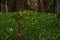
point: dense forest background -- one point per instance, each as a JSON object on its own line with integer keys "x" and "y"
{"x": 35, "y": 5}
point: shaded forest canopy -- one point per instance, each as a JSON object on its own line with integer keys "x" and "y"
{"x": 36, "y": 5}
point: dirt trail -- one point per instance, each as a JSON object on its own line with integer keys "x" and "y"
{"x": 20, "y": 35}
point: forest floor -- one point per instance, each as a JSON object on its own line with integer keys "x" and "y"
{"x": 29, "y": 26}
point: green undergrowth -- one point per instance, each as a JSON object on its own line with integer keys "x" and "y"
{"x": 36, "y": 25}
{"x": 8, "y": 27}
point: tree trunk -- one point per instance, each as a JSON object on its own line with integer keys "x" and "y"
{"x": 42, "y": 5}
{"x": 6, "y": 6}
{"x": 58, "y": 8}
{"x": 33, "y": 5}
{"x": 2, "y": 7}
{"x": 26, "y": 6}
{"x": 36, "y": 6}
{"x": 20, "y": 5}
{"x": 12, "y": 6}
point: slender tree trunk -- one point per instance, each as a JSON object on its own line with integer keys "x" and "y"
{"x": 26, "y": 6}
{"x": 36, "y": 6}
{"x": 2, "y": 7}
{"x": 33, "y": 5}
{"x": 6, "y": 6}
{"x": 29, "y": 4}
{"x": 20, "y": 5}
{"x": 42, "y": 5}
{"x": 58, "y": 8}
{"x": 12, "y": 6}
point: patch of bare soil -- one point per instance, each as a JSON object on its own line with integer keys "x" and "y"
{"x": 20, "y": 34}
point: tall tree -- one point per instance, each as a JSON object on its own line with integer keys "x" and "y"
{"x": 6, "y": 6}
{"x": 0, "y": 5}
{"x": 51, "y": 5}
{"x": 12, "y": 5}
{"x": 3, "y": 5}
{"x": 58, "y": 8}
{"x": 20, "y": 5}
{"x": 33, "y": 5}
{"x": 26, "y": 6}
{"x": 42, "y": 5}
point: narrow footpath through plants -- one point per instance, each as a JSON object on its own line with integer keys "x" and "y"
{"x": 20, "y": 35}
